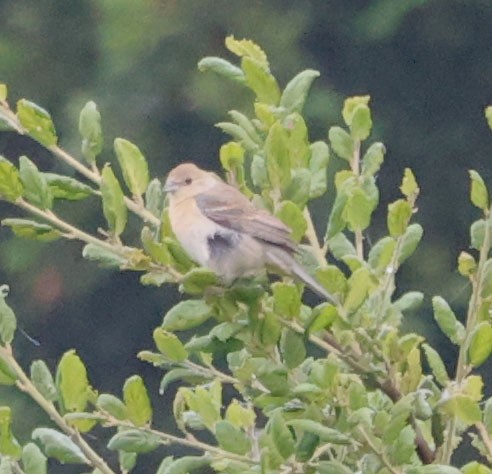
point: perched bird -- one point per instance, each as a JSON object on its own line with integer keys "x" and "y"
{"x": 222, "y": 230}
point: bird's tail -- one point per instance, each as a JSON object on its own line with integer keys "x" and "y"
{"x": 286, "y": 262}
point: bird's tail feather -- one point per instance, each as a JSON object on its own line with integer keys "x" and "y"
{"x": 286, "y": 262}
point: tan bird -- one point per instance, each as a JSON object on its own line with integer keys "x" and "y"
{"x": 222, "y": 230}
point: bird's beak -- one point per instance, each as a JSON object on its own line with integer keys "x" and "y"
{"x": 170, "y": 186}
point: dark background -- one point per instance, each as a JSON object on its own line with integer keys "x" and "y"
{"x": 426, "y": 64}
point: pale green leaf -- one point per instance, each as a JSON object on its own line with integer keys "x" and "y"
{"x": 133, "y": 165}
{"x": 169, "y": 345}
{"x": 447, "y": 321}
{"x": 479, "y": 195}
{"x": 11, "y": 187}
{"x": 32, "y": 230}
{"x": 59, "y": 446}
{"x": 36, "y": 188}
{"x": 222, "y": 68}
{"x": 8, "y": 322}
{"x": 114, "y": 207}
{"x": 72, "y": 382}
{"x": 137, "y": 401}
{"x": 186, "y": 315}
{"x": 232, "y": 438}
{"x": 90, "y": 131}
{"x": 480, "y": 346}
{"x": 37, "y": 122}
{"x": 33, "y": 460}
{"x": 341, "y": 143}
{"x": 43, "y": 380}
{"x": 134, "y": 441}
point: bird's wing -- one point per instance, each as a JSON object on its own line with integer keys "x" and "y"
{"x": 229, "y": 208}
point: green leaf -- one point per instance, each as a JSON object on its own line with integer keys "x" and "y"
{"x": 298, "y": 189}
{"x": 318, "y": 163}
{"x": 341, "y": 143}
{"x": 137, "y": 401}
{"x": 463, "y": 407}
{"x": 399, "y": 214}
{"x": 186, "y": 315}
{"x": 154, "y": 198}
{"x": 322, "y": 317}
{"x": 36, "y": 188}
{"x": 106, "y": 258}
{"x": 134, "y": 441}
{"x": 260, "y": 81}
{"x": 247, "y": 125}
{"x": 186, "y": 465}
{"x": 340, "y": 246}
{"x": 336, "y": 222}
{"x": 488, "y": 115}
{"x": 259, "y": 174}
{"x": 306, "y": 446}
{"x": 277, "y": 156}
{"x": 114, "y": 207}
{"x": 409, "y": 186}
{"x": 467, "y": 265}
{"x": 231, "y": 156}
{"x": 292, "y": 348}
{"x": 59, "y": 446}
{"x": 333, "y": 279}
{"x": 332, "y": 467}
{"x": 11, "y": 187}
{"x": 43, "y": 380}
{"x": 8, "y": 322}
{"x": 359, "y": 285}
{"x": 222, "y": 68}
{"x": 33, "y": 460}
{"x": 447, "y": 321}
{"x": 281, "y": 435}
{"x": 350, "y": 105}
{"x": 477, "y": 233}
{"x": 187, "y": 375}
{"x": 409, "y": 301}
{"x": 361, "y": 122}
{"x": 373, "y": 159}
{"x": 475, "y": 468}
{"x": 32, "y": 230}
{"x": 198, "y": 280}
{"x": 90, "y": 131}
{"x": 126, "y": 460}
{"x": 72, "y": 382}
{"x": 112, "y": 405}
{"x": 381, "y": 254}
{"x": 240, "y": 416}
{"x": 479, "y": 195}
{"x": 433, "y": 469}
{"x": 436, "y": 364}
{"x": 7, "y": 373}
{"x": 296, "y": 91}
{"x": 239, "y": 134}
{"x": 293, "y": 217}
{"x": 480, "y": 346}
{"x": 410, "y": 240}
{"x": 133, "y": 165}
{"x": 358, "y": 209}
{"x": 3, "y": 92}
{"x": 37, "y": 122}
{"x": 329, "y": 435}
{"x": 286, "y": 299}
{"x": 231, "y": 438}
{"x": 169, "y": 345}
{"x": 8, "y": 444}
{"x": 246, "y": 48}
{"x": 487, "y": 415}
{"x": 65, "y": 187}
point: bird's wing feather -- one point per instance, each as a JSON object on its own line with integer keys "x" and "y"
{"x": 229, "y": 208}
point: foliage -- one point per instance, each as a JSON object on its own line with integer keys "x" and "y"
{"x": 322, "y": 389}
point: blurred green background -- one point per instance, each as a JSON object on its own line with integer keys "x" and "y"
{"x": 426, "y": 64}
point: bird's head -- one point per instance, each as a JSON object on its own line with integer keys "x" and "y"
{"x": 187, "y": 180}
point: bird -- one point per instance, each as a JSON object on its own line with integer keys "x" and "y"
{"x": 222, "y": 230}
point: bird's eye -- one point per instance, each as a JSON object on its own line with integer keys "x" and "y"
{"x": 188, "y": 181}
